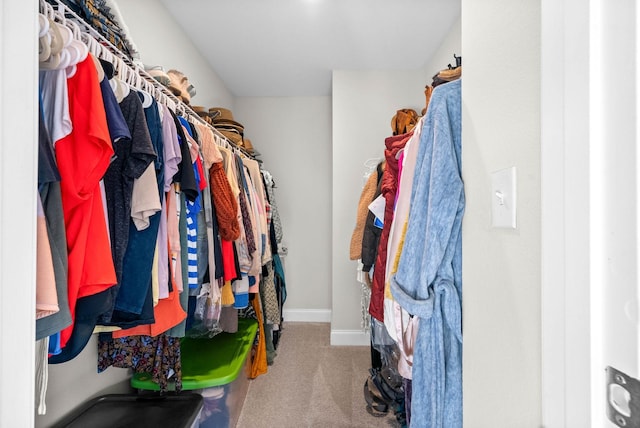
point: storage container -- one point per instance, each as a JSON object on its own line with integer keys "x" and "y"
{"x": 217, "y": 369}
{"x": 133, "y": 411}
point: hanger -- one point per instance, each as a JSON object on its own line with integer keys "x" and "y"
{"x": 448, "y": 74}
{"x": 120, "y": 88}
{"x": 84, "y": 38}
{"x": 458, "y": 60}
{"x": 127, "y": 75}
{"x": 78, "y": 49}
{"x": 47, "y": 9}
{"x": 131, "y": 77}
{"x": 54, "y": 37}
{"x": 44, "y": 38}
{"x": 170, "y": 103}
{"x": 43, "y": 25}
{"x": 138, "y": 84}
{"x": 371, "y": 162}
{"x": 147, "y": 99}
{"x": 105, "y": 53}
{"x": 61, "y": 12}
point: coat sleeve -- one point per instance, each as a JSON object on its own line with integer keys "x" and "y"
{"x": 371, "y": 235}
{"x": 370, "y": 240}
{"x": 368, "y": 193}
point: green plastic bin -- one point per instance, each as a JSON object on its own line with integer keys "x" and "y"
{"x": 212, "y": 367}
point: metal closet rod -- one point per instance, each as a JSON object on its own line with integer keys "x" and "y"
{"x": 161, "y": 93}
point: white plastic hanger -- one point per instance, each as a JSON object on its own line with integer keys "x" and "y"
{"x": 120, "y": 88}
{"x": 134, "y": 81}
{"x": 147, "y": 99}
{"x": 170, "y": 103}
{"x": 77, "y": 51}
{"x": 43, "y": 25}
{"x": 44, "y": 38}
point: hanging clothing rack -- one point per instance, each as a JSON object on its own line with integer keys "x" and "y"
{"x": 126, "y": 69}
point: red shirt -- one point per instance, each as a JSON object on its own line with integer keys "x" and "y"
{"x": 83, "y": 157}
{"x": 167, "y": 314}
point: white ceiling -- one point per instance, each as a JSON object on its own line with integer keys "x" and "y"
{"x": 290, "y": 47}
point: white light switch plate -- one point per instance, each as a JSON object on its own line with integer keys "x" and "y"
{"x": 503, "y": 198}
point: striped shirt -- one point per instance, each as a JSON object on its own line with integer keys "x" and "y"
{"x": 193, "y": 208}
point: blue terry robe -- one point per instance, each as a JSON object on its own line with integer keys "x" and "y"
{"x": 428, "y": 283}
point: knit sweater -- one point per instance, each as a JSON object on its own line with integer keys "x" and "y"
{"x": 428, "y": 283}
{"x": 224, "y": 202}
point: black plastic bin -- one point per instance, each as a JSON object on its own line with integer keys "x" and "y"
{"x": 137, "y": 411}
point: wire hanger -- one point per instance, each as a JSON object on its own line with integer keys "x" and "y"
{"x": 458, "y": 62}
{"x": 372, "y": 162}
{"x": 448, "y": 74}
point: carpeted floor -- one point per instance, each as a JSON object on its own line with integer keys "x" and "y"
{"x": 312, "y": 384}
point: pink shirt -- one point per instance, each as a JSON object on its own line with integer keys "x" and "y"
{"x": 46, "y": 294}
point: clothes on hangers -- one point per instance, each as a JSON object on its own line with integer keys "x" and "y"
{"x": 173, "y": 211}
{"x": 83, "y": 157}
{"x": 388, "y": 188}
{"x": 366, "y": 197}
{"x": 52, "y": 215}
{"x": 400, "y": 326}
{"x": 428, "y": 283}
{"x": 371, "y": 230}
{"x": 415, "y": 256}
{"x": 270, "y": 187}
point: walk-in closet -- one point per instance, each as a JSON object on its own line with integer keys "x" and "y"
{"x": 317, "y": 213}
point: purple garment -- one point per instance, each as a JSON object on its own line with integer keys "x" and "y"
{"x": 172, "y": 153}
{"x": 407, "y": 399}
{"x": 172, "y": 159}
{"x": 244, "y": 208}
{"x": 163, "y": 254}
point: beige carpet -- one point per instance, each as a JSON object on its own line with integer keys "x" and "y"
{"x": 312, "y": 384}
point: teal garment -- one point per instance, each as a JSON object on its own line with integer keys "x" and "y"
{"x": 428, "y": 283}
{"x": 279, "y": 277}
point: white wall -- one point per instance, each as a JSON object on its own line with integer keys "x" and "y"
{"x": 451, "y": 44}
{"x": 501, "y": 268}
{"x": 74, "y": 382}
{"x": 568, "y": 157}
{"x": 293, "y": 134}
{"x": 160, "y": 41}
{"x": 18, "y": 171}
{"x": 614, "y": 189}
{"x": 363, "y": 104}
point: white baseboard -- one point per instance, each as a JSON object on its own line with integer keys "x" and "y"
{"x": 307, "y": 315}
{"x": 350, "y": 338}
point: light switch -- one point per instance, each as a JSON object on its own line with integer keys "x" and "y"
{"x": 503, "y": 198}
